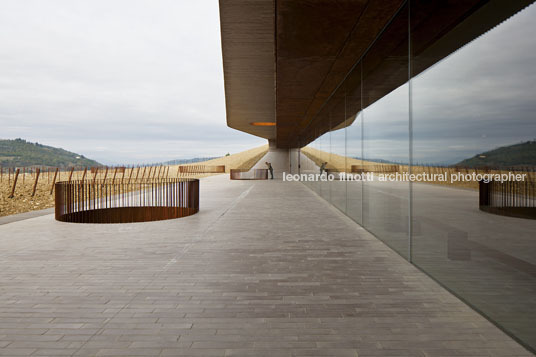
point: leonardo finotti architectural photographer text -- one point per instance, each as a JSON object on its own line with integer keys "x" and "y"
{"x": 406, "y": 176}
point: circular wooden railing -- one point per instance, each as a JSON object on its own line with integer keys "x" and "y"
{"x": 509, "y": 198}
{"x": 254, "y": 174}
{"x": 108, "y": 201}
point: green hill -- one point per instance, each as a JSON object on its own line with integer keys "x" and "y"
{"x": 517, "y": 155}
{"x": 20, "y": 153}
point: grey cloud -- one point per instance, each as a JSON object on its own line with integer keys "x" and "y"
{"x": 123, "y": 81}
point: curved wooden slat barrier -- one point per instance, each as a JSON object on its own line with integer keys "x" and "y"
{"x": 201, "y": 169}
{"x": 256, "y": 174}
{"x": 105, "y": 201}
{"x": 382, "y": 168}
{"x": 509, "y": 198}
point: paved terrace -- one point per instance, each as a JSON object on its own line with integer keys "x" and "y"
{"x": 266, "y": 268}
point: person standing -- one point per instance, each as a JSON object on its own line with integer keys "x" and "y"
{"x": 271, "y": 169}
{"x": 323, "y": 168}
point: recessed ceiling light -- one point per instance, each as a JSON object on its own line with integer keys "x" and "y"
{"x": 262, "y": 123}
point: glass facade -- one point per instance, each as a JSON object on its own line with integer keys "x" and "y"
{"x": 473, "y": 111}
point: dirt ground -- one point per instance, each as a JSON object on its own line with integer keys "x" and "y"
{"x": 23, "y": 200}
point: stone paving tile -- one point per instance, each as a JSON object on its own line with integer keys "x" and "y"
{"x": 264, "y": 269}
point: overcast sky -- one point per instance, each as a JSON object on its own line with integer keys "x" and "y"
{"x": 137, "y": 81}
{"x": 122, "y": 81}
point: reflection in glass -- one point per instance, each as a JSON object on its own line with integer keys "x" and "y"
{"x": 473, "y": 111}
{"x": 386, "y": 136}
{"x": 480, "y": 98}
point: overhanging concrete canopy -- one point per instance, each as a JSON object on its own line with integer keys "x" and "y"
{"x": 247, "y": 32}
{"x": 315, "y": 44}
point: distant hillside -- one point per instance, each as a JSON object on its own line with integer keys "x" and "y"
{"x": 20, "y": 153}
{"x": 517, "y": 155}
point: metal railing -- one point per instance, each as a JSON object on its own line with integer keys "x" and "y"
{"x": 106, "y": 201}
{"x": 508, "y": 198}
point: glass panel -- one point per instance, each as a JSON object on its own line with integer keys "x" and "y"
{"x": 337, "y": 163}
{"x": 354, "y": 143}
{"x": 386, "y": 135}
{"x": 310, "y": 161}
{"x": 294, "y": 161}
{"x": 325, "y": 156}
{"x": 475, "y": 111}
{"x": 311, "y": 157}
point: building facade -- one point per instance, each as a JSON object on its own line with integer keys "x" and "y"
{"x": 440, "y": 89}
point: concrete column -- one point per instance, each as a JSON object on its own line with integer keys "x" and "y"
{"x": 278, "y": 157}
